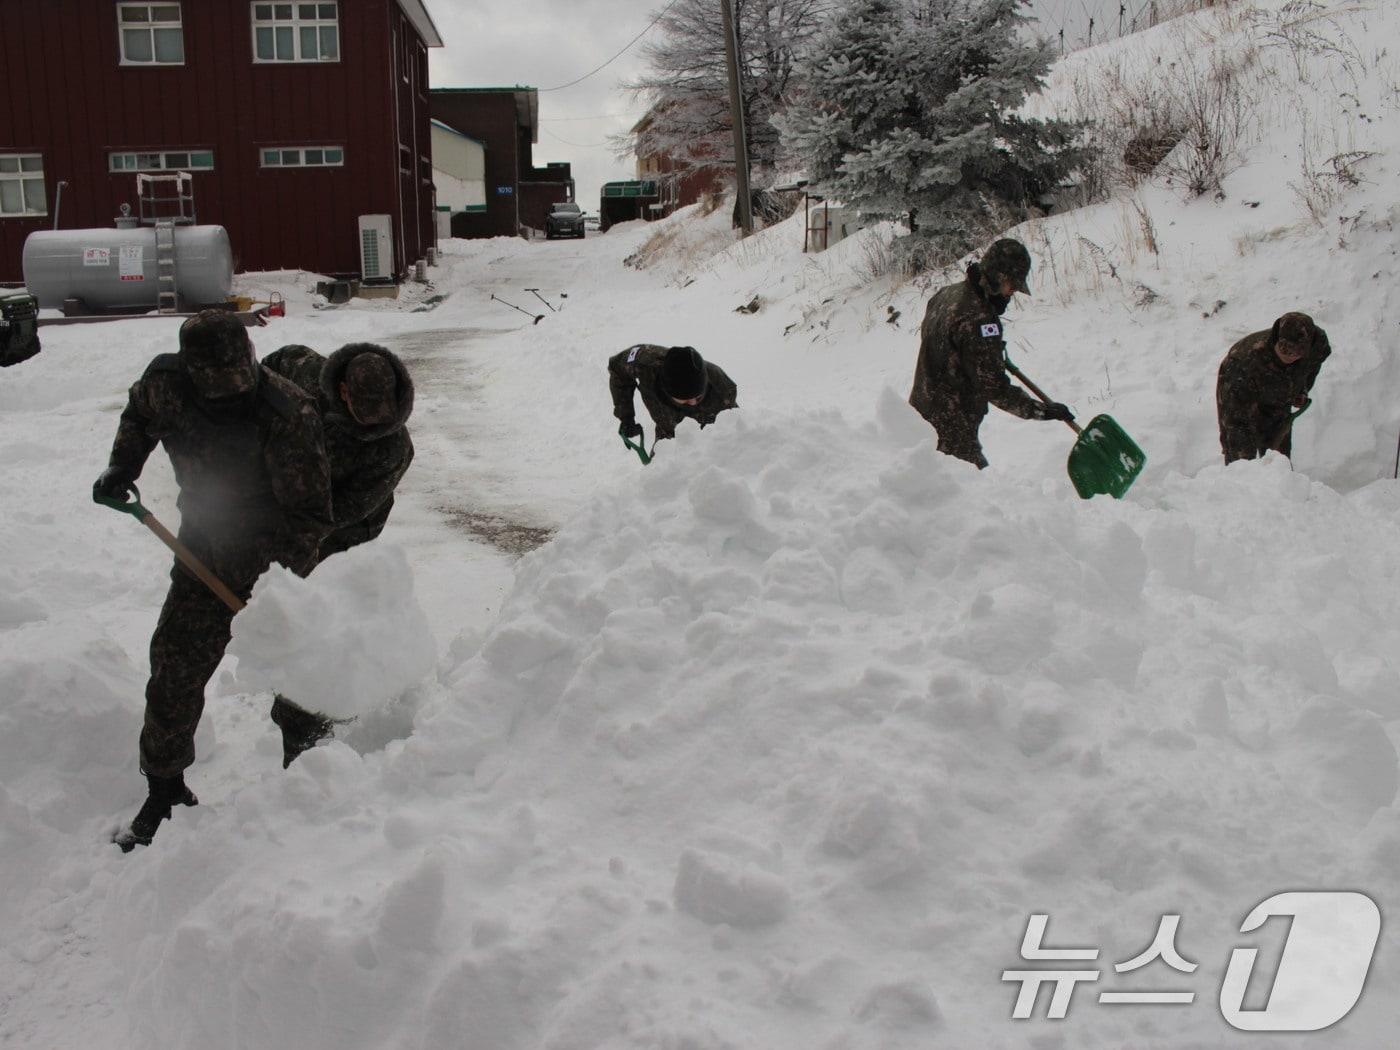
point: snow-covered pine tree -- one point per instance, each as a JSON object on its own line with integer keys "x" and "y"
{"x": 907, "y": 114}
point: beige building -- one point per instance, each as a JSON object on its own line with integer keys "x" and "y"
{"x": 459, "y": 174}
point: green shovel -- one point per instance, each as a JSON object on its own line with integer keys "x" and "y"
{"x": 1104, "y": 459}
{"x": 640, "y": 447}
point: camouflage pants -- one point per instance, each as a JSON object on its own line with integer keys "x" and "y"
{"x": 189, "y": 641}
{"x": 957, "y": 433}
{"x": 1251, "y": 438}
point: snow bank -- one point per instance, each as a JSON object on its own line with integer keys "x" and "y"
{"x": 341, "y": 642}
{"x": 781, "y": 744}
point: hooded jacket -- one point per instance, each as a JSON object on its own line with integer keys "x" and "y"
{"x": 366, "y": 462}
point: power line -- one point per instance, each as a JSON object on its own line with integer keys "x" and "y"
{"x": 576, "y": 145}
{"x": 615, "y": 57}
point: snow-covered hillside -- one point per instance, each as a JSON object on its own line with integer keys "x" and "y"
{"x": 779, "y": 741}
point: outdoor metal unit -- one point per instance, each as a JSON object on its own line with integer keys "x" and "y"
{"x": 376, "y": 248}
{"x": 115, "y": 268}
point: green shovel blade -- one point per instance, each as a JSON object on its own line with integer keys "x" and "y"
{"x": 1104, "y": 460}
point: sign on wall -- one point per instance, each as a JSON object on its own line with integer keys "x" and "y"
{"x": 131, "y": 267}
{"x": 97, "y": 256}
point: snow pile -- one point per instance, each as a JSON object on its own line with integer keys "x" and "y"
{"x": 781, "y": 745}
{"x": 341, "y": 642}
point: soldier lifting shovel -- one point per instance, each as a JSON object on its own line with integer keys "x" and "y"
{"x": 250, "y": 460}
{"x": 963, "y": 369}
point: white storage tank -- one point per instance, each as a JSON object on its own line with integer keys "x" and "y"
{"x": 117, "y": 268}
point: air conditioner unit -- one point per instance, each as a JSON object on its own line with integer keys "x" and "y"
{"x": 376, "y": 247}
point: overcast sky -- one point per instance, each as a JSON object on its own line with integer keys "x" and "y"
{"x": 546, "y": 43}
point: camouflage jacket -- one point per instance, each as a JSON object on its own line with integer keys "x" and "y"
{"x": 366, "y": 462}
{"x": 252, "y": 477}
{"x": 639, "y": 368}
{"x": 1253, "y": 385}
{"x": 962, "y": 356}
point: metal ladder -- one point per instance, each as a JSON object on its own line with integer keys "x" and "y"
{"x": 166, "y": 201}
{"x": 167, "y": 294}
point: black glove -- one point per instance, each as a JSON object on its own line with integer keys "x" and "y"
{"x": 114, "y": 483}
{"x": 630, "y": 428}
{"x": 1056, "y": 411}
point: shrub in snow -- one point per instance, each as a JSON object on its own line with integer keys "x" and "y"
{"x": 909, "y": 111}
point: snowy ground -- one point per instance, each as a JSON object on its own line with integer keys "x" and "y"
{"x": 780, "y": 740}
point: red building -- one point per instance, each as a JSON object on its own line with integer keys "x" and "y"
{"x": 680, "y": 181}
{"x": 296, "y": 119}
{"x": 506, "y": 121}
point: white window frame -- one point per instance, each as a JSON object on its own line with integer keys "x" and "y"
{"x": 297, "y": 23}
{"x": 300, "y": 161}
{"x": 123, "y": 27}
{"x": 162, "y": 160}
{"x": 21, "y": 176}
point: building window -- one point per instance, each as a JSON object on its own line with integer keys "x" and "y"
{"x": 22, "y": 185}
{"x": 151, "y": 34}
{"x": 304, "y": 157}
{"x": 296, "y": 32}
{"x": 166, "y": 160}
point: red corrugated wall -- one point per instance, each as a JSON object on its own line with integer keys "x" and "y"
{"x": 67, "y": 96}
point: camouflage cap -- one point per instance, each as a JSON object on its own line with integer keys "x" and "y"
{"x": 371, "y": 386}
{"x": 217, "y": 354}
{"x": 1008, "y": 259}
{"x": 1295, "y": 329}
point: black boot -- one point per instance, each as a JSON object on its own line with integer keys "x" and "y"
{"x": 301, "y": 729}
{"x": 165, "y": 793}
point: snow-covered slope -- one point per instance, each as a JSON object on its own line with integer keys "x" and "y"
{"x": 780, "y": 740}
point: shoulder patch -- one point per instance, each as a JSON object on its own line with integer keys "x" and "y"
{"x": 991, "y": 331}
{"x": 632, "y": 354}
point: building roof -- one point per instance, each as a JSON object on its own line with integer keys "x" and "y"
{"x": 461, "y": 135}
{"x": 527, "y": 103}
{"x": 417, "y": 12}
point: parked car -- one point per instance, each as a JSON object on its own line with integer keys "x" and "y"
{"x": 19, "y": 333}
{"x": 564, "y": 220}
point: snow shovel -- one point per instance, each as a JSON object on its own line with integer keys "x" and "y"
{"x": 1287, "y": 427}
{"x": 641, "y": 448}
{"x": 538, "y": 317}
{"x": 186, "y": 556}
{"x": 1104, "y": 459}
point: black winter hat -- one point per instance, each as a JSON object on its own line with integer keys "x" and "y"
{"x": 683, "y": 375}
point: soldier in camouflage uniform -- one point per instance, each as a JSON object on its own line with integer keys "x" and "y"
{"x": 962, "y": 355}
{"x": 676, "y": 384}
{"x": 365, "y": 396}
{"x": 250, "y": 460}
{"x": 1262, "y": 378}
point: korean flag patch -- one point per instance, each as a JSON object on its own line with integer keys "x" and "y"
{"x": 633, "y": 355}
{"x": 991, "y": 331}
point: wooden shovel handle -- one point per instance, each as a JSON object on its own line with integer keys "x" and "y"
{"x": 192, "y": 563}
{"x": 1039, "y": 393}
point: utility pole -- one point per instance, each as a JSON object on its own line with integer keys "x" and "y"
{"x": 736, "y": 117}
